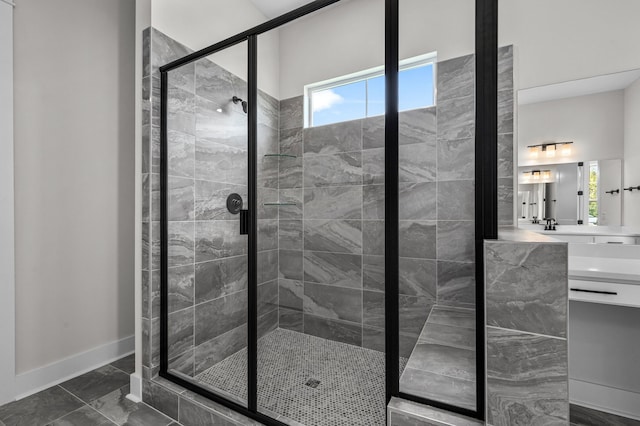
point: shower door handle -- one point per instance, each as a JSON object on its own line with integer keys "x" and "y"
{"x": 244, "y": 222}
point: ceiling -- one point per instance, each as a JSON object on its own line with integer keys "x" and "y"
{"x": 274, "y": 8}
{"x": 586, "y": 86}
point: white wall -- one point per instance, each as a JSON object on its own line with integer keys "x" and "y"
{"x": 7, "y": 268}
{"x": 632, "y": 154}
{"x": 200, "y": 23}
{"x": 595, "y": 123}
{"x": 74, "y": 177}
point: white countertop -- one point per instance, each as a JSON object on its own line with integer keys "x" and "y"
{"x": 606, "y": 269}
{"x": 619, "y": 231}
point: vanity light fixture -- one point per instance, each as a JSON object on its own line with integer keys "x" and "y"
{"x": 536, "y": 175}
{"x": 546, "y": 175}
{"x": 550, "y": 149}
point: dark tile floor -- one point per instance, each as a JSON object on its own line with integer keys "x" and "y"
{"x": 97, "y": 398}
{"x": 582, "y": 416}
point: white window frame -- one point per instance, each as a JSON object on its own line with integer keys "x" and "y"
{"x": 414, "y": 62}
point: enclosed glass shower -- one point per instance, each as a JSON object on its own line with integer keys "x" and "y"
{"x": 310, "y": 272}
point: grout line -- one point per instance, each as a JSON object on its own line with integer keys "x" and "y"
{"x": 526, "y": 332}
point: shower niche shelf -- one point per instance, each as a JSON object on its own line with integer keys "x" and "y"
{"x": 280, "y": 156}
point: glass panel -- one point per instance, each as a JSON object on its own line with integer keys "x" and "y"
{"x": 375, "y": 96}
{"x": 321, "y": 350}
{"x": 436, "y": 208}
{"x": 207, "y": 162}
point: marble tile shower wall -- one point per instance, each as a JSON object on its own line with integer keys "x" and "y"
{"x": 506, "y": 159}
{"x": 207, "y": 160}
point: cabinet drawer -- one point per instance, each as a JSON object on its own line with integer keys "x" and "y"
{"x": 614, "y": 239}
{"x": 605, "y": 292}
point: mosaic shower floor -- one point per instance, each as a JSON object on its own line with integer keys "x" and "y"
{"x": 309, "y": 380}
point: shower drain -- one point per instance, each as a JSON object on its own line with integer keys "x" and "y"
{"x": 312, "y": 383}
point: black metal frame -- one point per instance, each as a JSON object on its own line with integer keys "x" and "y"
{"x": 486, "y": 217}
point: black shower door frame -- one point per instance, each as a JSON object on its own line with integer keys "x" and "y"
{"x": 486, "y": 198}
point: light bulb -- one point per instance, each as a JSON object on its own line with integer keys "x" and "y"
{"x": 551, "y": 150}
{"x": 566, "y": 150}
{"x": 533, "y": 151}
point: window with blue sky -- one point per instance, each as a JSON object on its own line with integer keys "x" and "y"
{"x": 364, "y": 96}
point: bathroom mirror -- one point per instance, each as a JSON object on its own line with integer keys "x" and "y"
{"x": 571, "y": 141}
{"x": 577, "y": 193}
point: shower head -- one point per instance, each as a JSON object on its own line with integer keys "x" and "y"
{"x": 245, "y": 105}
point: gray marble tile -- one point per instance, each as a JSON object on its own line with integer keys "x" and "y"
{"x": 505, "y": 111}
{"x": 456, "y": 119}
{"x": 181, "y": 111}
{"x": 290, "y": 319}
{"x": 456, "y": 200}
{"x": 217, "y": 162}
{"x": 177, "y": 238}
{"x": 337, "y": 236}
{"x": 291, "y": 113}
{"x": 290, "y": 173}
{"x": 373, "y": 202}
{"x": 457, "y": 317}
{"x": 291, "y": 142}
{"x": 583, "y": 416}
{"x": 414, "y": 311}
{"x": 290, "y": 264}
{"x": 290, "y": 235}
{"x": 333, "y": 170}
{"x": 373, "y": 313}
{"x": 181, "y": 154}
{"x": 155, "y": 149}
{"x": 96, "y": 383}
{"x": 527, "y": 378}
{"x": 339, "y": 331}
{"x": 456, "y": 283}
{"x": 339, "y": 269}
{"x": 267, "y": 323}
{"x": 267, "y": 234}
{"x": 220, "y": 277}
{"x": 220, "y": 316}
{"x": 163, "y": 50}
{"x": 183, "y": 77}
{"x": 267, "y": 266}
{"x": 526, "y": 287}
{"x": 505, "y": 201}
{"x": 267, "y": 297}
{"x": 180, "y": 244}
{"x": 84, "y": 416}
{"x": 373, "y": 130}
{"x": 146, "y": 52}
{"x": 160, "y": 398}
{"x": 213, "y": 83}
{"x": 456, "y": 160}
{"x": 373, "y": 166}
{"x": 228, "y": 127}
{"x": 268, "y": 110}
{"x": 445, "y": 360}
{"x": 456, "y": 77}
{"x": 418, "y": 277}
{"x": 448, "y": 335}
{"x": 295, "y": 197}
{"x": 333, "y": 138}
{"x": 267, "y": 196}
{"x": 145, "y": 282}
{"x": 291, "y": 294}
{"x": 268, "y": 140}
{"x": 505, "y": 155}
{"x": 373, "y": 273}
{"x": 192, "y": 414}
{"x": 333, "y": 202}
{"x": 219, "y": 348}
{"x": 181, "y": 287}
{"x": 417, "y": 239}
{"x": 40, "y": 408}
{"x": 505, "y": 68}
{"x": 373, "y": 338}
{"x": 418, "y": 126}
{"x": 456, "y": 241}
{"x": 146, "y": 342}
{"x": 146, "y": 149}
{"x": 418, "y": 201}
{"x": 183, "y": 363}
{"x": 211, "y": 199}
{"x": 218, "y": 239}
{"x": 155, "y": 101}
{"x": 180, "y": 332}
{"x": 373, "y": 237}
{"x": 126, "y": 364}
{"x": 220, "y": 409}
{"x": 333, "y": 302}
{"x": 117, "y": 408}
{"x": 461, "y": 393}
{"x": 181, "y": 199}
{"x": 427, "y": 416}
{"x": 417, "y": 162}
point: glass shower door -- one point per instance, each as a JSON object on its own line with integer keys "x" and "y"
{"x": 207, "y": 254}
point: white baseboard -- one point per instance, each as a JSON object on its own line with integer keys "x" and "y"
{"x": 44, "y": 377}
{"x": 135, "y": 392}
{"x": 603, "y": 398}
